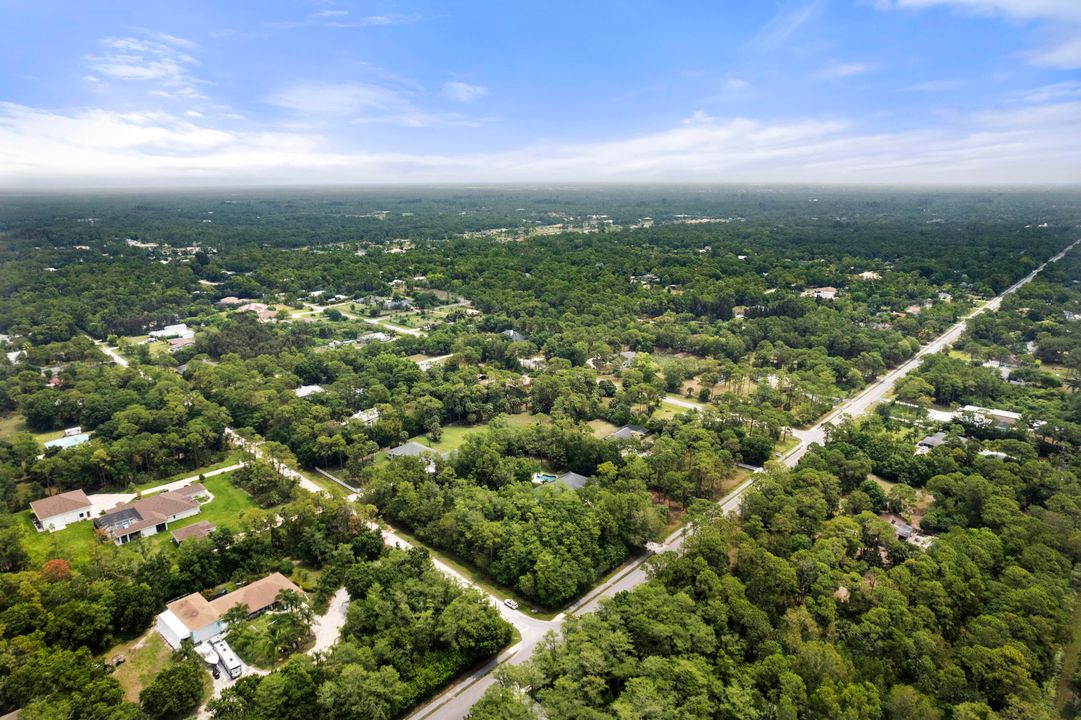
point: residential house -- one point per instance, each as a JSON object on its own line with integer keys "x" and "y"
{"x": 572, "y": 480}
{"x": 930, "y": 442}
{"x": 990, "y": 416}
{"x": 374, "y": 337}
{"x": 366, "y": 417}
{"x": 150, "y": 515}
{"x": 173, "y": 331}
{"x": 514, "y": 336}
{"x": 199, "y": 619}
{"x": 56, "y": 512}
{"x": 628, "y": 432}
{"x": 415, "y": 449}
{"x": 826, "y": 293}
{"x": 180, "y": 342}
{"x": 538, "y": 362}
{"x": 262, "y": 310}
{"x": 68, "y": 441}
{"x": 200, "y": 529}
{"x": 306, "y": 390}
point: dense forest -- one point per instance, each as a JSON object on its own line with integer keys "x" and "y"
{"x": 438, "y": 362}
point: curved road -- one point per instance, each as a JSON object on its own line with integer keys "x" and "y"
{"x": 455, "y": 702}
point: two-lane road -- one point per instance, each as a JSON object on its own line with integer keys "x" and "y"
{"x": 455, "y": 702}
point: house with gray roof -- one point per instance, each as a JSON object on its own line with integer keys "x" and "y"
{"x": 572, "y": 480}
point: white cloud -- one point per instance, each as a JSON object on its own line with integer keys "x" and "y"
{"x": 463, "y": 92}
{"x": 1017, "y": 144}
{"x": 734, "y": 83}
{"x": 784, "y": 23}
{"x": 161, "y": 63}
{"x": 837, "y": 70}
{"x": 391, "y": 103}
{"x": 1065, "y": 54}
{"x": 1062, "y": 17}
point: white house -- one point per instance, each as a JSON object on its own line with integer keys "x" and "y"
{"x": 826, "y": 293}
{"x": 56, "y": 512}
{"x": 173, "y": 331}
{"x": 150, "y": 515}
{"x": 366, "y": 417}
{"x": 989, "y": 416}
{"x": 189, "y": 617}
{"x": 306, "y": 390}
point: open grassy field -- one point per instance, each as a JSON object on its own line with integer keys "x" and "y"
{"x": 454, "y": 436}
{"x": 10, "y": 424}
{"x": 144, "y": 657}
{"x": 13, "y": 423}
{"x": 601, "y": 428}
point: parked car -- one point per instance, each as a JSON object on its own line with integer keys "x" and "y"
{"x": 511, "y": 604}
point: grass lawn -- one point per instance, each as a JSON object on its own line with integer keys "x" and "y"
{"x": 526, "y": 419}
{"x": 454, "y": 436}
{"x": 10, "y": 424}
{"x": 785, "y": 445}
{"x": 601, "y": 428}
{"x": 14, "y": 423}
{"x": 231, "y": 458}
{"x": 144, "y": 657}
{"x": 333, "y": 488}
{"x": 73, "y": 543}
{"x": 229, "y": 503}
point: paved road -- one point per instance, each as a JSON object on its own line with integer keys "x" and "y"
{"x": 455, "y": 702}
{"x": 110, "y": 351}
{"x": 371, "y": 321}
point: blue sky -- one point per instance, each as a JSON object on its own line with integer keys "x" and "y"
{"x": 866, "y": 91}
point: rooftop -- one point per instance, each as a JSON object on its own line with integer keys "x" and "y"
{"x": 199, "y": 530}
{"x": 628, "y": 432}
{"x": 59, "y": 504}
{"x": 194, "y": 610}
{"x": 411, "y": 449}
{"x": 572, "y": 480}
{"x": 258, "y": 595}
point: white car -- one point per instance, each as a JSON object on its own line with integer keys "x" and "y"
{"x": 511, "y": 604}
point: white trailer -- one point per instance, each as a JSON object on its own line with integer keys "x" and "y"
{"x": 228, "y": 660}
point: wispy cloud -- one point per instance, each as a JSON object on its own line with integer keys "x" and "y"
{"x": 1062, "y": 20}
{"x": 160, "y": 62}
{"x": 337, "y": 18}
{"x": 361, "y": 103}
{"x": 785, "y": 23}
{"x": 933, "y": 86}
{"x": 837, "y": 70}
{"x": 463, "y": 92}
